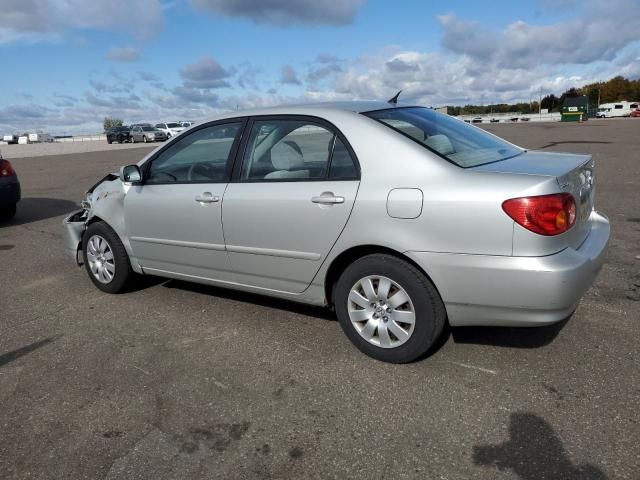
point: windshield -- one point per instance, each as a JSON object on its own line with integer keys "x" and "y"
{"x": 456, "y": 141}
{"x": 173, "y": 125}
{"x": 148, "y": 129}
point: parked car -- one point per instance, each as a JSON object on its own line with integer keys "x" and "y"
{"x": 9, "y": 190}
{"x": 170, "y": 128}
{"x": 635, "y": 113}
{"x": 186, "y": 124}
{"x": 345, "y": 205}
{"x": 476, "y": 120}
{"x": 147, "y": 134}
{"x": 119, "y": 134}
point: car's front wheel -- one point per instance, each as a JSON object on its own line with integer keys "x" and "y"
{"x": 388, "y": 308}
{"x": 145, "y": 139}
{"x": 106, "y": 259}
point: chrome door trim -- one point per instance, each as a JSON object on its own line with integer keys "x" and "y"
{"x": 274, "y": 253}
{"x": 179, "y": 243}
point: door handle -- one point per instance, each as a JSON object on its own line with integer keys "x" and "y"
{"x": 207, "y": 197}
{"x": 327, "y": 198}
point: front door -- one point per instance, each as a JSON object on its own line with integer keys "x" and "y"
{"x": 289, "y": 203}
{"x": 173, "y": 220}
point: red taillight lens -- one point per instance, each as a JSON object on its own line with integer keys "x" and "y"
{"x": 6, "y": 170}
{"x": 543, "y": 214}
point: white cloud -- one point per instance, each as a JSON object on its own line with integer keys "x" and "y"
{"x": 598, "y": 34}
{"x": 285, "y": 12}
{"x": 42, "y": 20}
{"x": 206, "y": 73}
{"x": 288, "y": 76}
{"x": 124, "y": 54}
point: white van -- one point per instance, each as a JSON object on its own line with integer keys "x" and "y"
{"x": 618, "y": 109}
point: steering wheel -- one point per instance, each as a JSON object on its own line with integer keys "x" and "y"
{"x": 201, "y": 168}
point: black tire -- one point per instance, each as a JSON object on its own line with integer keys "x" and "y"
{"x": 7, "y": 213}
{"x": 133, "y": 140}
{"x": 430, "y": 314}
{"x": 109, "y": 141}
{"x": 120, "y": 139}
{"x": 123, "y": 272}
{"x": 144, "y": 139}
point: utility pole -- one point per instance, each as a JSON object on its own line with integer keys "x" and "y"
{"x": 540, "y": 103}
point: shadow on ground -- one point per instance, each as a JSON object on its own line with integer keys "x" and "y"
{"x": 514, "y": 337}
{"x": 533, "y": 451}
{"x": 262, "y": 300}
{"x": 35, "y": 209}
{"x": 533, "y": 337}
{"x": 9, "y": 357}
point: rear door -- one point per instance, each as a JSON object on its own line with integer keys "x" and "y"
{"x": 293, "y": 190}
{"x": 174, "y": 219}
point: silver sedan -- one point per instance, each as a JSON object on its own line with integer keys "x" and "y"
{"x": 399, "y": 217}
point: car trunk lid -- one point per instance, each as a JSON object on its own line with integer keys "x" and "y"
{"x": 574, "y": 174}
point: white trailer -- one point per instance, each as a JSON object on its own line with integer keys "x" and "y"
{"x": 617, "y": 109}
{"x": 10, "y": 139}
{"x": 23, "y": 140}
{"x": 40, "y": 138}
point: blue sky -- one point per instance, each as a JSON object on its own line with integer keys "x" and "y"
{"x": 67, "y": 64}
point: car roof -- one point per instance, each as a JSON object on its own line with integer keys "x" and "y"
{"x": 318, "y": 109}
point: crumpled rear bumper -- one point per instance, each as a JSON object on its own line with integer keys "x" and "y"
{"x": 74, "y": 227}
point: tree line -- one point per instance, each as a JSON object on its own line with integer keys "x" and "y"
{"x": 613, "y": 90}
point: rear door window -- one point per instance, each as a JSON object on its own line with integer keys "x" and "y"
{"x": 290, "y": 150}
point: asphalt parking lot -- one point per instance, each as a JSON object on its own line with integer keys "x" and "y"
{"x": 179, "y": 381}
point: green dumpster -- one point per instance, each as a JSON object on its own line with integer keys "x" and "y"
{"x": 575, "y": 109}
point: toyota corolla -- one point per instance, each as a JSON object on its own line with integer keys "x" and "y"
{"x": 399, "y": 217}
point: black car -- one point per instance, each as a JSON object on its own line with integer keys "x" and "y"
{"x": 9, "y": 190}
{"x": 118, "y": 134}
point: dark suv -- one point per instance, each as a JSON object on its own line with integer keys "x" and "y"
{"x": 118, "y": 134}
{"x": 9, "y": 190}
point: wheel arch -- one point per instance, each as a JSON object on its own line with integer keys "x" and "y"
{"x": 344, "y": 259}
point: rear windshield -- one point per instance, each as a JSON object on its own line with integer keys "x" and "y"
{"x": 456, "y": 141}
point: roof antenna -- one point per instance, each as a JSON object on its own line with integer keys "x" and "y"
{"x": 394, "y": 100}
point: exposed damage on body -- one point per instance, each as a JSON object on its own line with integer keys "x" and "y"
{"x": 104, "y": 201}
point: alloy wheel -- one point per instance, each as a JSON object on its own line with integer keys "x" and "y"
{"x": 100, "y": 259}
{"x": 381, "y": 311}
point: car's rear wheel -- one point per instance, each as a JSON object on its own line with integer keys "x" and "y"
{"x": 388, "y": 308}
{"x": 106, "y": 259}
{"x": 7, "y": 213}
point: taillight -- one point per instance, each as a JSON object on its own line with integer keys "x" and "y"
{"x": 6, "y": 170}
{"x": 544, "y": 214}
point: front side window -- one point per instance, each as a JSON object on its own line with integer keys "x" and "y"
{"x": 618, "y": 107}
{"x": 292, "y": 149}
{"x": 200, "y": 157}
{"x": 456, "y": 141}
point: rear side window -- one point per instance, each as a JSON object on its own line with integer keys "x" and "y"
{"x": 279, "y": 150}
{"x": 452, "y": 139}
{"x": 342, "y": 165}
{"x": 200, "y": 157}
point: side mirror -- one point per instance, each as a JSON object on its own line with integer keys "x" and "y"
{"x": 130, "y": 174}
